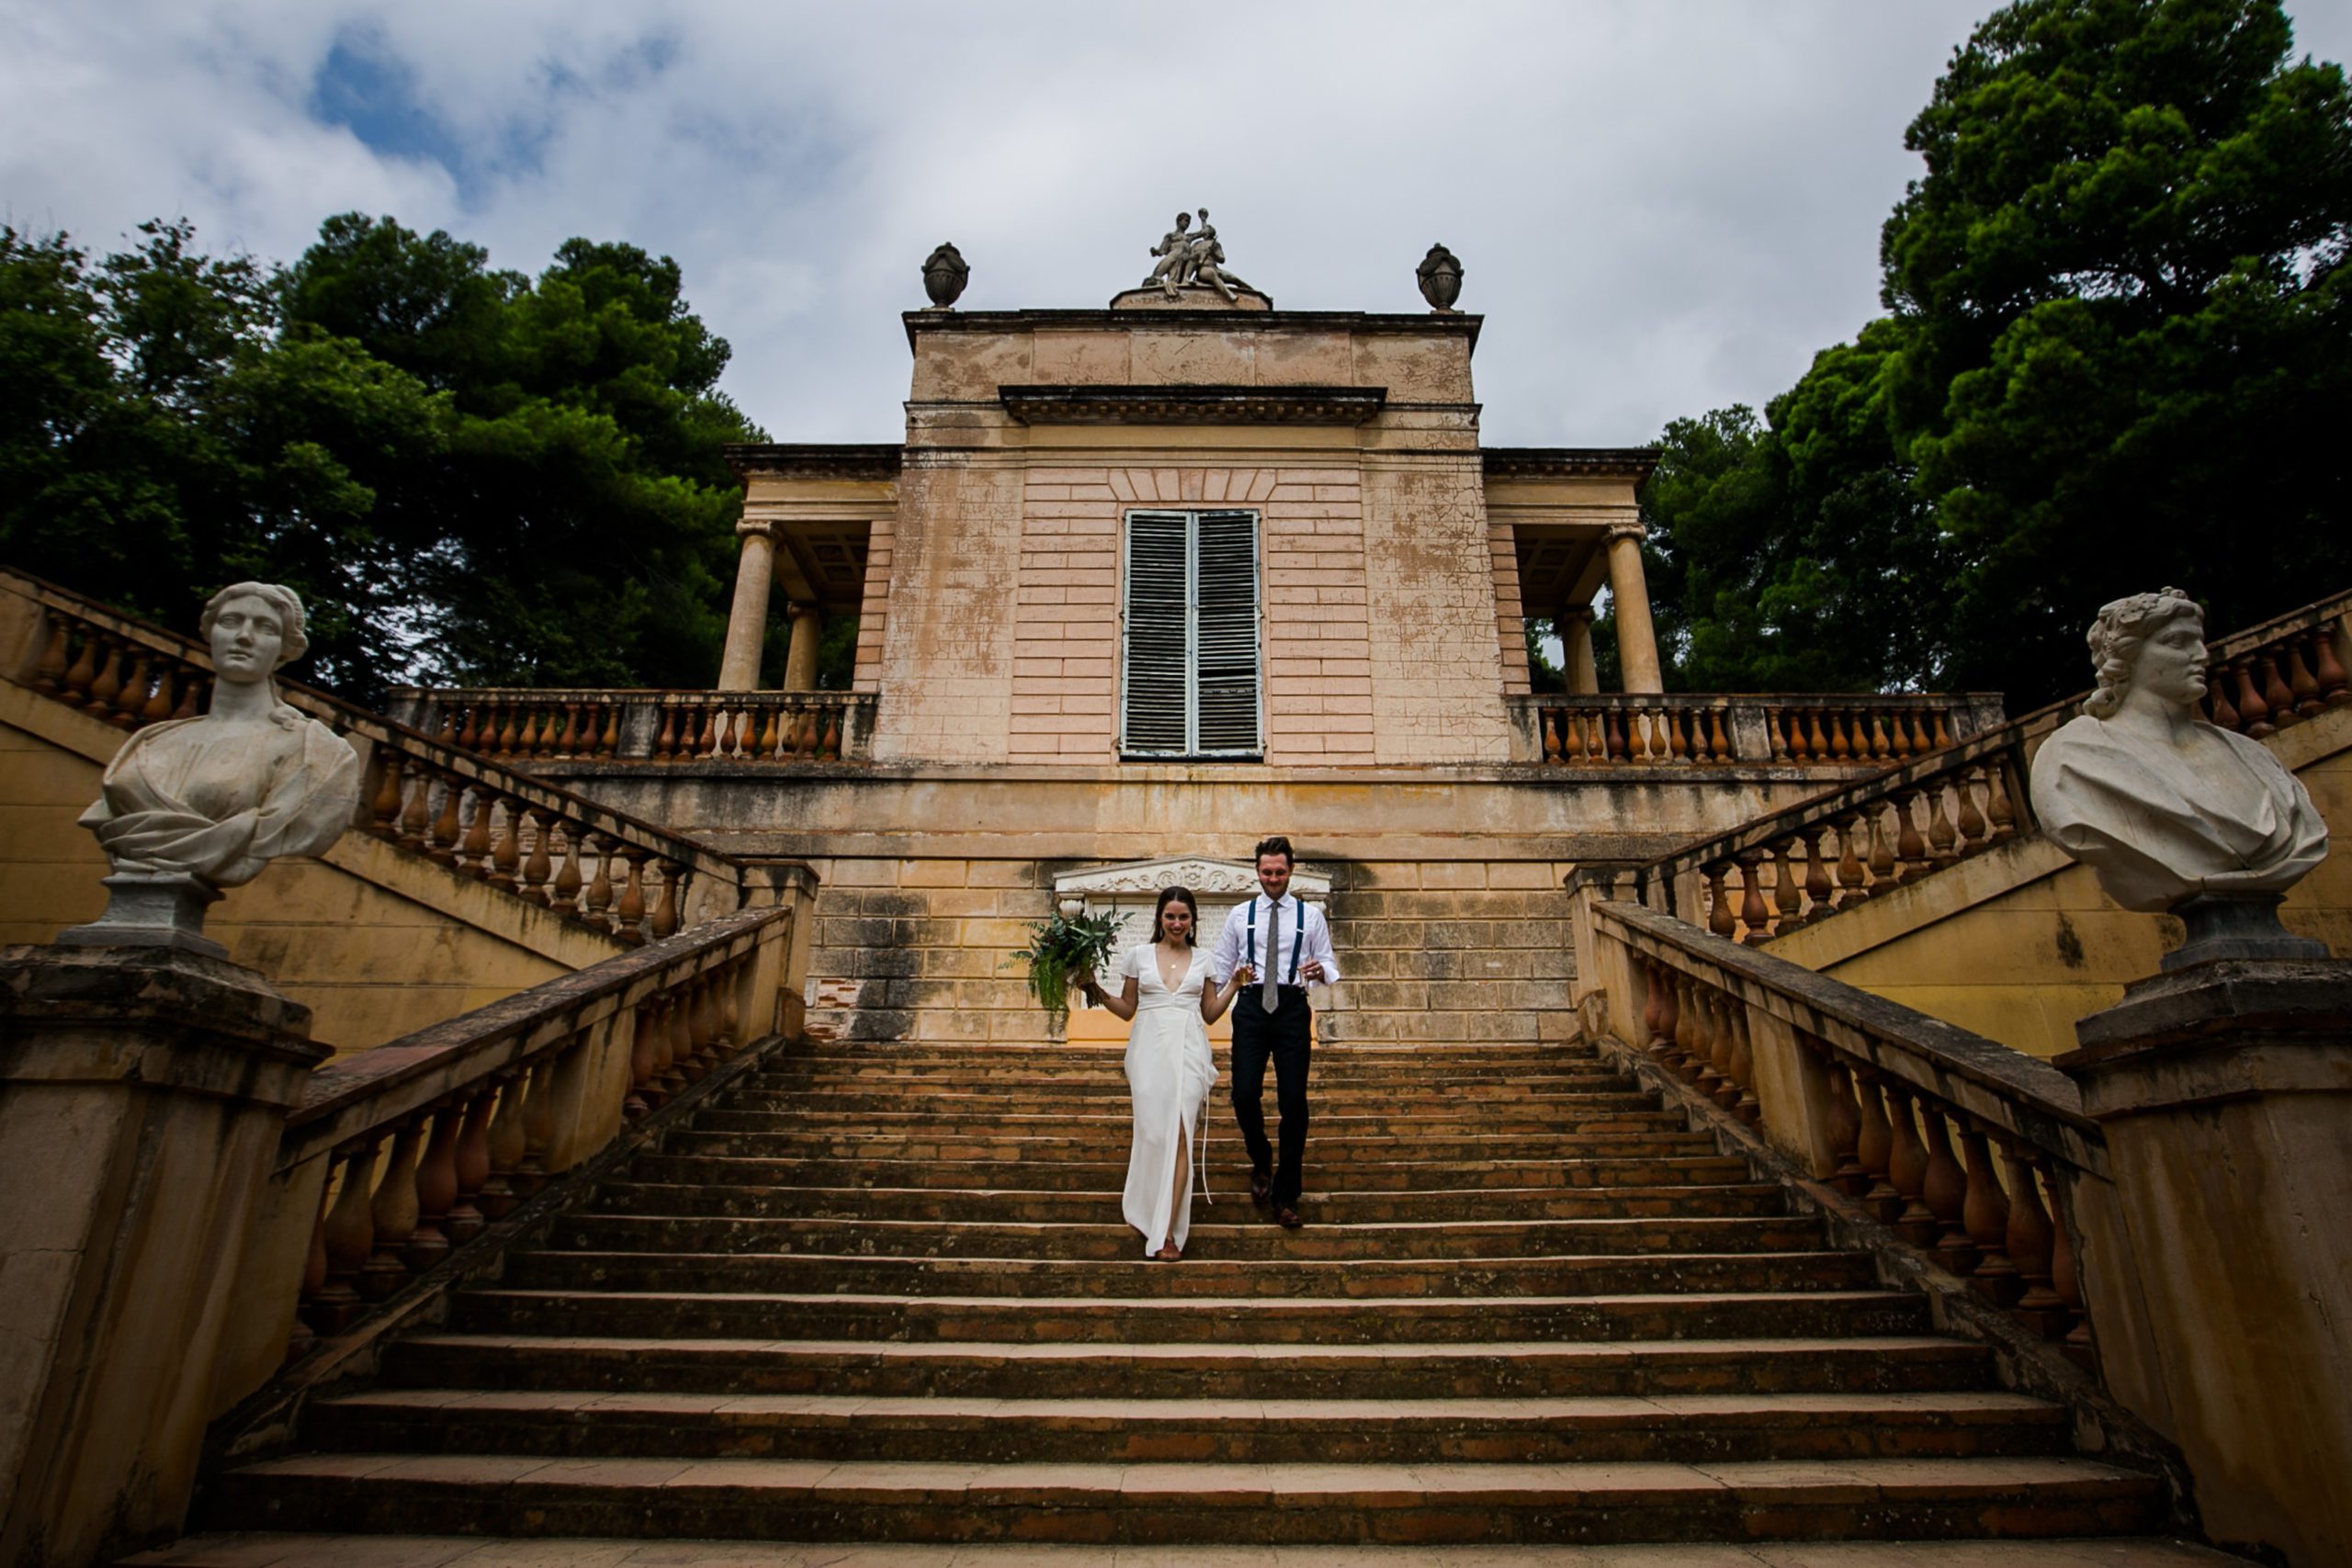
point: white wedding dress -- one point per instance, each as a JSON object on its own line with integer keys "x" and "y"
{"x": 1169, "y": 1072}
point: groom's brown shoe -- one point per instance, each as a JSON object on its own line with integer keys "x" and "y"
{"x": 1262, "y": 1187}
{"x": 1287, "y": 1217}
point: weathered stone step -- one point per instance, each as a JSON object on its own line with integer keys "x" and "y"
{"x": 1329, "y": 1157}
{"x": 1603, "y": 1172}
{"x": 964, "y": 1103}
{"x": 1238, "y": 1233}
{"x": 1350, "y": 1056}
{"x": 1687, "y": 1428}
{"x": 1219, "y": 1330}
{"x": 947, "y": 1206}
{"x": 1114, "y": 1128}
{"x": 789, "y": 1499}
{"x": 1273, "y": 1277}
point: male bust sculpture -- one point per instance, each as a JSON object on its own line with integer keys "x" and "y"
{"x": 2164, "y": 807}
{"x": 196, "y": 804}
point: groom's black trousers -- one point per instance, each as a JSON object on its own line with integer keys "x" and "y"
{"x": 1287, "y": 1035}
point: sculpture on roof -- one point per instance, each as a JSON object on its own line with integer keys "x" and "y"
{"x": 1189, "y": 257}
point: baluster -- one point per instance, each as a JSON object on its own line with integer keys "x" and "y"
{"x": 1873, "y": 1149}
{"x": 511, "y": 736}
{"x": 470, "y": 738}
{"x": 416, "y": 813}
{"x": 725, "y": 745}
{"x": 1941, "y": 736}
{"x": 437, "y": 1190}
{"x": 1819, "y": 741}
{"x": 1945, "y": 1193}
{"x": 1840, "y": 749}
{"x": 1745, "y": 1105}
{"x": 1678, "y": 741}
{"x": 443, "y": 843}
{"x": 2066, "y": 1278}
{"x": 829, "y": 750}
{"x": 1800, "y": 747}
{"x": 506, "y": 852}
{"x": 1689, "y": 1029}
{"x": 133, "y": 695}
{"x": 665, "y": 744}
{"x": 1699, "y": 1006}
{"x": 764, "y": 752}
{"x": 2301, "y": 683}
{"x": 1921, "y": 741}
{"x": 538, "y": 869}
{"x": 2217, "y": 699}
{"x": 2254, "y": 713}
{"x": 644, "y": 1094}
{"x": 1752, "y": 911}
{"x": 565, "y": 891}
{"x": 300, "y": 1335}
{"x": 685, "y": 1042}
{"x": 1844, "y": 1126}
{"x": 1972, "y": 821}
{"x": 386, "y": 806}
{"x": 530, "y": 1173}
{"x": 1657, "y": 1013}
{"x": 394, "y": 1215}
{"x": 1719, "y": 914}
{"x": 1817, "y": 902}
{"x": 1851, "y": 886}
{"x": 1908, "y": 845}
{"x": 666, "y": 1042}
{"x": 666, "y": 913}
{"x": 1987, "y": 1214}
{"x": 1718, "y": 743}
{"x": 2004, "y": 816}
{"x": 1786, "y": 899}
{"x": 350, "y": 1236}
{"x": 527, "y": 743}
{"x": 192, "y": 694}
{"x": 703, "y": 1023}
{"x": 629, "y": 911}
{"x": 2030, "y": 1244}
{"x": 2326, "y": 668}
{"x": 2275, "y": 690}
{"x": 497, "y": 1198}
{"x": 473, "y": 855}
{"x": 731, "y": 1021}
{"x": 471, "y": 1166}
{"x": 1614, "y": 738}
{"x": 1907, "y": 1169}
{"x": 597, "y": 903}
{"x": 606, "y": 741}
{"x": 49, "y": 671}
{"x": 708, "y": 745}
{"x": 579, "y": 740}
{"x": 446, "y": 732}
{"x": 1880, "y": 750}
{"x": 109, "y": 681}
{"x": 83, "y": 670}
{"x": 1941, "y": 836}
{"x": 1722, "y": 1049}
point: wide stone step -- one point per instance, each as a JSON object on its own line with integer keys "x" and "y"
{"x": 1240, "y": 1326}
{"x": 964, "y": 1104}
{"x": 1238, "y": 1234}
{"x": 947, "y": 1206}
{"x": 1368, "y": 1058}
{"x": 1584, "y": 1173}
{"x": 1324, "y": 1155}
{"x": 1271, "y": 1277}
{"x": 1688, "y": 1428}
{"x": 1147, "y": 1504}
{"x": 1110, "y": 1079}
{"x": 1113, "y": 1126}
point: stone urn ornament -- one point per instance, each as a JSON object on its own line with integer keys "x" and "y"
{"x": 943, "y": 276}
{"x": 2173, "y": 813}
{"x": 192, "y": 806}
{"x": 1440, "y": 278}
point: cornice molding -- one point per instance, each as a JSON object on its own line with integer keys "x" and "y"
{"x": 1192, "y": 405}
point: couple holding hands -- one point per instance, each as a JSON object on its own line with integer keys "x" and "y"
{"x": 1270, "y": 949}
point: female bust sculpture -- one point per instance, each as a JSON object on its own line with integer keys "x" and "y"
{"x": 2162, "y": 804}
{"x": 217, "y": 798}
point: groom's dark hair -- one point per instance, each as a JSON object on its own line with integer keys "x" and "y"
{"x": 1277, "y": 845}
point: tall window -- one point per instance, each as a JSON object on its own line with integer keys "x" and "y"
{"x": 1190, "y": 670}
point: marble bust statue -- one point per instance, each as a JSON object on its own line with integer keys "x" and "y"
{"x": 2165, "y": 808}
{"x": 193, "y": 805}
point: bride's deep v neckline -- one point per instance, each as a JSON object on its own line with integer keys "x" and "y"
{"x": 1160, "y": 968}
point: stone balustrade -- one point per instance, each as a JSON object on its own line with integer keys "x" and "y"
{"x": 1965, "y": 1151}
{"x": 585, "y": 862}
{"x": 1615, "y": 729}
{"x": 774, "y": 727}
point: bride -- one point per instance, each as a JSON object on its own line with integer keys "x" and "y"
{"x": 1168, "y": 1067}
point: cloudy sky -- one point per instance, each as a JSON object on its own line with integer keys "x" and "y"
{"x": 1662, "y": 206}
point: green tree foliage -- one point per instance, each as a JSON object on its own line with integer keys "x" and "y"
{"x": 2121, "y": 345}
{"x": 469, "y": 475}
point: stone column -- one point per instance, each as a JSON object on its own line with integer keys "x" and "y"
{"x": 747, "y": 622}
{"x": 1636, "y": 641}
{"x": 801, "y": 657}
{"x": 143, "y": 1092}
{"x": 2219, "y": 1276}
{"x": 1575, "y": 643}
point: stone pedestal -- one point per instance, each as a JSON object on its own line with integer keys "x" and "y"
{"x": 144, "y": 1091}
{"x": 2221, "y": 1282}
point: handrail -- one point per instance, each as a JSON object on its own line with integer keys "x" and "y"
{"x": 1848, "y": 845}
{"x": 586, "y": 862}
{"x": 1901, "y": 1113}
{"x": 644, "y": 723}
{"x": 1822, "y": 729}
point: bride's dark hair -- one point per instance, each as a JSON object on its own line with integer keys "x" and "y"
{"x": 1168, "y": 896}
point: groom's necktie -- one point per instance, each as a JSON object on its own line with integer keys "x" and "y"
{"x": 1270, "y": 994}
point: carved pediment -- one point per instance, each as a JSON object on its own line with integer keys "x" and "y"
{"x": 1211, "y": 880}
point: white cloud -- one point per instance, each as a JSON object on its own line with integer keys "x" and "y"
{"x": 1661, "y": 208}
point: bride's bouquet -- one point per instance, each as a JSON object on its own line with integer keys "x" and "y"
{"x": 1063, "y": 950}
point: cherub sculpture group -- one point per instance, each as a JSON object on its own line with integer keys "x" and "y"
{"x": 1190, "y": 256}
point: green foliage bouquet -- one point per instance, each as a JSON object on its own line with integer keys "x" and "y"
{"x": 1061, "y": 949}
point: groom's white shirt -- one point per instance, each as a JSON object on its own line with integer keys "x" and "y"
{"x": 1234, "y": 947}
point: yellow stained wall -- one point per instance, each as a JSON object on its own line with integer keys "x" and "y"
{"x": 376, "y": 941}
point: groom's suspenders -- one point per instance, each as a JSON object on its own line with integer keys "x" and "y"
{"x": 1297, "y": 941}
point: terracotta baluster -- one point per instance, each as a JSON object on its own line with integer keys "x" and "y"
{"x": 1946, "y": 1194}
{"x": 1614, "y": 740}
{"x": 1941, "y": 836}
{"x": 708, "y": 745}
{"x": 690, "y": 1036}
{"x": 764, "y": 752}
{"x": 1722, "y": 1049}
{"x": 393, "y": 1215}
{"x": 1649, "y": 1006}
{"x": 192, "y": 691}
{"x": 447, "y": 832}
{"x": 1909, "y": 846}
{"x": 2300, "y": 681}
{"x": 669, "y": 1044}
{"x": 579, "y": 736}
{"x": 1746, "y": 1106}
{"x": 386, "y": 806}
{"x": 665, "y": 744}
{"x": 437, "y": 1190}
{"x": 538, "y": 867}
{"x": 510, "y": 737}
{"x": 1972, "y": 821}
{"x": 1880, "y": 750}
{"x": 1571, "y": 739}
{"x": 1853, "y": 886}
{"x": 1793, "y": 745}
{"x": 473, "y": 855}
{"x": 133, "y": 694}
{"x": 2253, "y": 714}
{"x": 1718, "y": 743}
{"x": 1753, "y": 913}
{"x": 1921, "y": 741}
{"x": 667, "y": 912}
{"x": 731, "y": 1021}
{"x": 446, "y": 732}
{"x": 506, "y": 849}
{"x": 1844, "y": 1125}
{"x": 629, "y": 911}
{"x": 704, "y": 1023}
{"x": 595, "y": 905}
{"x": 80, "y": 674}
{"x": 2275, "y": 690}
{"x": 471, "y": 1164}
{"x": 470, "y": 738}
{"x": 564, "y": 894}
{"x": 1657, "y": 1013}
{"x": 830, "y": 748}
{"x": 1678, "y": 738}
{"x": 1703, "y": 1048}
{"x": 1819, "y": 740}
{"x": 608, "y": 743}
{"x": 1818, "y": 889}
{"x": 1840, "y": 749}
{"x": 530, "y": 1172}
{"x": 1719, "y": 916}
{"x": 2218, "y": 707}
{"x": 2066, "y": 1277}
{"x": 349, "y": 1237}
{"x": 2328, "y": 669}
{"x": 416, "y": 807}
{"x": 527, "y": 743}
{"x": 1907, "y": 1169}
{"x": 1786, "y": 899}
{"x": 49, "y": 671}
{"x": 2004, "y": 816}
{"x": 1940, "y": 739}
{"x": 497, "y": 1198}
{"x": 2032, "y": 1242}
{"x": 299, "y": 1336}
{"x": 1986, "y": 1215}
{"x": 101, "y": 703}
{"x": 726, "y": 747}
{"x": 1873, "y": 1149}
{"x": 1690, "y": 1027}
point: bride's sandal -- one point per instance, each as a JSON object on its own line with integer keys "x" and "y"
{"x": 1168, "y": 1254}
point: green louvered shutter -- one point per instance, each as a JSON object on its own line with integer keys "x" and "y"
{"x": 1189, "y": 667}
{"x": 1225, "y": 634}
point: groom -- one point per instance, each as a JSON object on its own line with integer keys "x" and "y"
{"x": 1288, "y": 947}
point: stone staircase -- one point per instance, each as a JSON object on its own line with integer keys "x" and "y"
{"x": 883, "y": 1295}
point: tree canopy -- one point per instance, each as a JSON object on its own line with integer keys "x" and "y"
{"x": 469, "y": 474}
{"x": 2118, "y": 345}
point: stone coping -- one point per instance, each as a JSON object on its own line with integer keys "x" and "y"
{"x": 840, "y": 460}
{"x": 1424, "y": 323}
{"x": 1194, "y": 404}
{"x": 1555, "y": 462}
